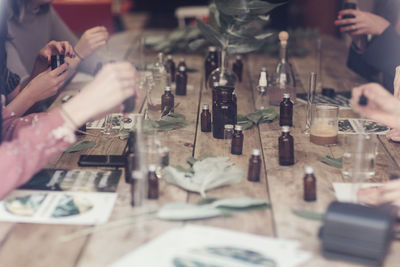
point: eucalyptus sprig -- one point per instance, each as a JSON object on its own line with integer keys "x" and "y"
{"x": 168, "y": 122}
{"x": 255, "y": 118}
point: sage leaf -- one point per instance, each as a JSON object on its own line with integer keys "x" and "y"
{"x": 311, "y": 215}
{"x": 238, "y": 203}
{"x": 81, "y": 145}
{"x": 333, "y": 162}
{"x": 185, "y": 211}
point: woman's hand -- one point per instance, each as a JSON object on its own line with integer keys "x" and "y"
{"x": 90, "y": 41}
{"x": 362, "y": 23}
{"x": 47, "y": 83}
{"x": 112, "y": 85}
{"x": 382, "y": 106}
{"x": 44, "y": 57}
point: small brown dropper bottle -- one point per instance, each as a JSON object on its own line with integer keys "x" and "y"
{"x": 167, "y": 101}
{"x": 206, "y": 119}
{"x": 181, "y": 81}
{"x": 238, "y": 67}
{"x": 286, "y": 147}
{"x": 170, "y": 66}
{"x": 152, "y": 182}
{"x": 254, "y": 166}
{"x": 286, "y": 111}
{"x": 237, "y": 140}
{"x": 310, "y": 188}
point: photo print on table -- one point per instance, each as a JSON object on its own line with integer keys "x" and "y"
{"x": 117, "y": 121}
{"x": 356, "y": 126}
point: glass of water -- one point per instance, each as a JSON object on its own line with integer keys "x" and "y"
{"x": 359, "y": 156}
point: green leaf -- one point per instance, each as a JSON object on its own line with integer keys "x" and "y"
{"x": 239, "y": 203}
{"x": 246, "y": 124}
{"x": 255, "y": 117}
{"x": 81, "y": 145}
{"x": 191, "y": 160}
{"x": 333, "y": 162}
{"x": 206, "y": 200}
{"x": 262, "y": 7}
{"x": 211, "y": 34}
{"x": 182, "y": 169}
{"x": 185, "y": 211}
{"x": 197, "y": 44}
{"x": 311, "y": 215}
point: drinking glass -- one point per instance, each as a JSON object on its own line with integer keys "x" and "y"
{"x": 324, "y": 124}
{"x": 359, "y": 156}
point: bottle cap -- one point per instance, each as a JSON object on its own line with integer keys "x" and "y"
{"x": 286, "y": 95}
{"x": 238, "y": 127}
{"x": 205, "y": 107}
{"x": 285, "y": 129}
{"x": 228, "y": 126}
{"x": 169, "y": 56}
{"x": 212, "y": 49}
{"x": 263, "y": 79}
{"x": 256, "y": 152}
{"x": 168, "y": 89}
{"x": 309, "y": 170}
{"x": 182, "y": 68}
{"x": 238, "y": 57}
{"x": 283, "y": 37}
{"x": 152, "y": 167}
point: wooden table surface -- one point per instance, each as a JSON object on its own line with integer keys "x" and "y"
{"x": 37, "y": 245}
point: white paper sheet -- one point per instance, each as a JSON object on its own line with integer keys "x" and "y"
{"x": 347, "y": 192}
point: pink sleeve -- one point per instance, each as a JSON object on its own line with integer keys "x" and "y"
{"x": 29, "y": 145}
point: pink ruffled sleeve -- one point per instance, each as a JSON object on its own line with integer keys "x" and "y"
{"x": 29, "y": 143}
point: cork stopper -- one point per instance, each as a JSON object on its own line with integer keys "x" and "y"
{"x": 285, "y": 129}
{"x": 309, "y": 170}
{"x": 283, "y": 37}
{"x": 152, "y": 167}
{"x": 238, "y": 127}
{"x": 256, "y": 152}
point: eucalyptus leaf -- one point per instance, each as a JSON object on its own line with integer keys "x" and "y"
{"x": 185, "y": 211}
{"x": 211, "y": 34}
{"x": 81, "y": 145}
{"x": 261, "y": 7}
{"x": 246, "y": 124}
{"x": 197, "y": 44}
{"x": 333, "y": 162}
{"x": 238, "y": 203}
{"x": 311, "y": 215}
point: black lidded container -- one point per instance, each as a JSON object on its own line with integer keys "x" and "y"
{"x": 224, "y": 110}
{"x": 56, "y": 61}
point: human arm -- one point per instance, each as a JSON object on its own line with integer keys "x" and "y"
{"x": 31, "y": 142}
{"x": 382, "y": 106}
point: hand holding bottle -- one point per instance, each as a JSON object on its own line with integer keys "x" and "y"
{"x": 382, "y": 106}
{"x": 90, "y": 41}
{"x": 112, "y": 85}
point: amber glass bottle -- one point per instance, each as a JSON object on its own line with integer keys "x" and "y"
{"x": 286, "y": 147}
{"x": 211, "y": 62}
{"x": 254, "y": 166}
{"x": 167, "y": 101}
{"x": 310, "y": 188}
{"x": 206, "y": 119}
{"x": 152, "y": 182}
{"x": 238, "y": 67}
{"x": 181, "y": 81}
{"x": 286, "y": 111}
{"x": 224, "y": 110}
{"x": 237, "y": 140}
{"x": 170, "y": 66}
{"x": 181, "y": 63}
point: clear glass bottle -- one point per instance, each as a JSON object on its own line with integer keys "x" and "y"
{"x": 152, "y": 181}
{"x": 286, "y": 111}
{"x": 286, "y": 147}
{"x": 206, "y": 119}
{"x": 309, "y": 181}
{"x": 167, "y": 101}
{"x": 262, "y": 97}
{"x": 171, "y": 69}
{"x": 228, "y": 134}
{"x": 160, "y": 78}
{"x": 238, "y": 67}
{"x": 211, "y": 62}
{"x": 223, "y": 75}
{"x": 181, "y": 81}
{"x": 237, "y": 140}
{"x": 284, "y": 73}
{"x": 253, "y": 174}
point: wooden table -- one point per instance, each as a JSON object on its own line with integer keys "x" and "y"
{"x": 39, "y": 245}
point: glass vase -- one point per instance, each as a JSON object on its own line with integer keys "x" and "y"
{"x": 222, "y": 75}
